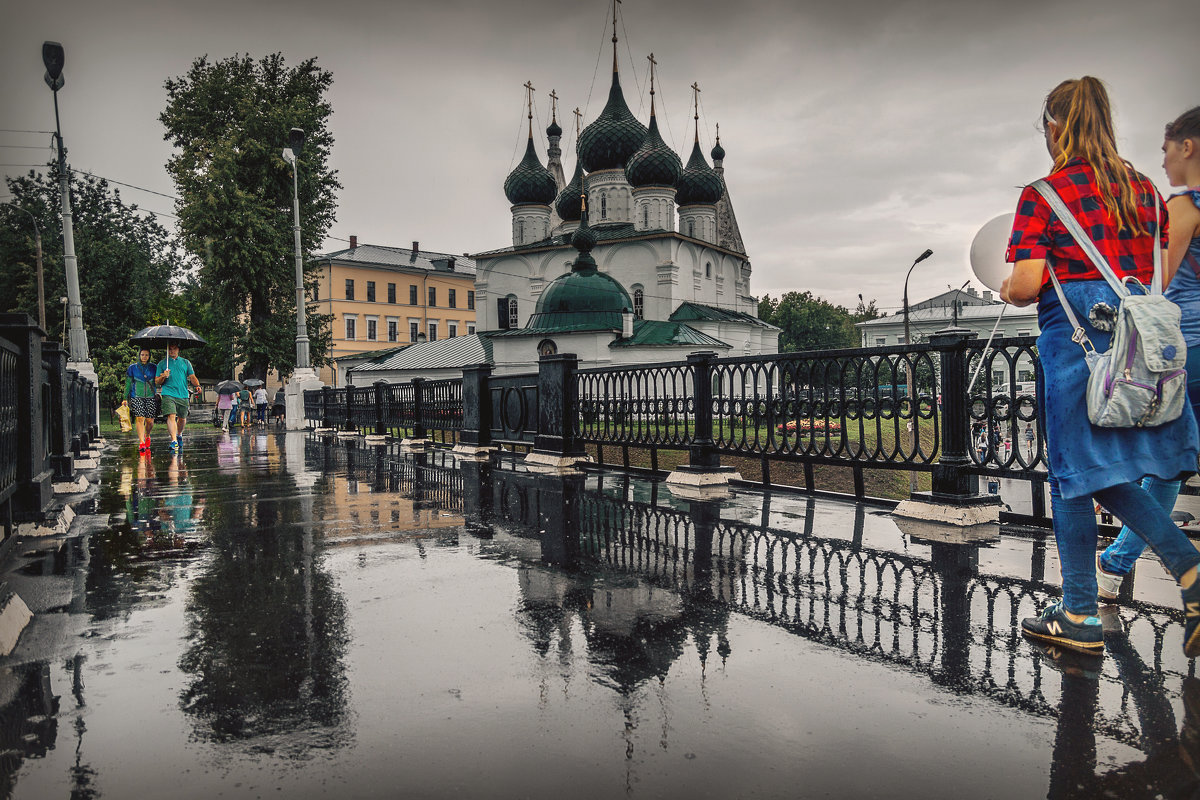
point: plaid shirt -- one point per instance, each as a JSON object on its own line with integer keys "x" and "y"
{"x": 1038, "y": 234}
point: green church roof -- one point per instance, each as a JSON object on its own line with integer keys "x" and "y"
{"x": 653, "y": 333}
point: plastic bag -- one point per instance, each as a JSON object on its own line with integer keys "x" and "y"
{"x": 123, "y": 417}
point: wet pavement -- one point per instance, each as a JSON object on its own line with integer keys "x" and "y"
{"x": 282, "y": 615}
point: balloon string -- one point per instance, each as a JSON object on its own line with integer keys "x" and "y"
{"x": 986, "y": 347}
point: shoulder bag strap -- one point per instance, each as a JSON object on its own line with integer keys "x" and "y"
{"x": 1077, "y": 233}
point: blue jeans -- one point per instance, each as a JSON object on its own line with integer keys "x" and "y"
{"x": 1119, "y": 557}
{"x": 1075, "y": 533}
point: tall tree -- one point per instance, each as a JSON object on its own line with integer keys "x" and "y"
{"x": 807, "y": 322}
{"x": 128, "y": 262}
{"x": 229, "y": 121}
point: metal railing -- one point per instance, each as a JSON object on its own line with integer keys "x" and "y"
{"x": 911, "y": 408}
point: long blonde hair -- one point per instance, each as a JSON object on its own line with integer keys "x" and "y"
{"x": 1081, "y": 110}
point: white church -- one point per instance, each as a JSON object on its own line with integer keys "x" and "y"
{"x": 657, "y": 272}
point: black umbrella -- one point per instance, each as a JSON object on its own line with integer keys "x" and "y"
{"x": 252, "y": 382}
{"x": 228, "y": 387}
{"x": 162, "y": 335}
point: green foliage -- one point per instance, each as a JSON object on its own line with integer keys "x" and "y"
{"x": 126, "y": 259}
{"x": 809, "y": 323}
{"x": 229, "y": 121}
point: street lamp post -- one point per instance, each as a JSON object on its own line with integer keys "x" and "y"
{"x": 912, "y": 405}
{"x": 54, "y": 58}
{"x": 304, "y": 376}
{"x": 37, "y": 237}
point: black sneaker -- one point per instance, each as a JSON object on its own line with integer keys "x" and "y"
{"x": 1054, "y": 626}
{"x": 1191, "y": 625}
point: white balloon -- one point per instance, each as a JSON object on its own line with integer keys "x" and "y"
{"x": 988, "y": 250}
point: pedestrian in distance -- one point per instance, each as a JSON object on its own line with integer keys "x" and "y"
{"x": 177, "y": 380}
{"x": 225, "y": 406}
{"x": 260, "y": 404}
{"x": 1181, "y": 161}
{"x": 279, "y": 405}
{"x": 1120, "y": 209}
{"x": 245, "y": 406}
{"x": 141, "y": 396}
{"x": 1029, "y": 440}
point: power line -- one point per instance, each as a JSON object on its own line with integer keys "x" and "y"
{"x": 15, "y": 130}
{"x": 120, "y": 183}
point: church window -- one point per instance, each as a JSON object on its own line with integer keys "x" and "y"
{"x": 691, "y": 228}
{"x": 506, "y": 312}
{"x": 639, "y": 303}
{"x": 708, "y": 269}
{"x": 547, "y": 347}
{"x": 520, "y": 231}
{"x": 603, "y": 206}
{"x": 512, "y": 311}
{"x": 646, "y": 216}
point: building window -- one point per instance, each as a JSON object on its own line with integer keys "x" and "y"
{"x": 880, "y": 341}
{"x": 317, "y": 293}
{"x": 547, "y": 347}
{"x": 392, "y": 293}
{"x": 520, "y": 231}
{"x": 393, "y": 330}
{"x": 351, "y": 322}
{"x": 451, "y": 329}
{"x": 412, "y": 294}
{"x": 639, "y": 303}
{"x": 372, "y": 328}
{"x": 414, "y": 328}
{"x": 432, "y": 331}
{"x": 370, "y": 291}
{"x": 470, "y": 329}
{"x": 708, "y": 269}
{"x": 1025, "y": 332}
{"x": 432, "y": 296}
{"x": 691, "y": 229}
{"x": 603, "y": 206}
{"x": 646, "y": 215}
{"x": 452, "y": 298}
{"x": 349, "y": 288}
{"x": 470, "y": 300}
{"x": 512, "y": 311}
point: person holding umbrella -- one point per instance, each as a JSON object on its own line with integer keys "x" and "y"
{"x": 174, "y": 376}
{"x": 226, "y": 392}
{"x": 141, "y": 396}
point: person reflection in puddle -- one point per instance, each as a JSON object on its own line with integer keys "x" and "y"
{"x": 1171, "y": 768}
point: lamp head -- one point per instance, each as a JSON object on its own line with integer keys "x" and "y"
{"x": 53, "y": 57}
{"x": 923, "y": 256}
{"x": 295, "y": 141}
{"x": 289, "y": 156}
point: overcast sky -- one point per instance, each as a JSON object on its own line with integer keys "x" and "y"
{"x": 857, "y": 134}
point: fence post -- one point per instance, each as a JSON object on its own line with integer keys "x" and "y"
{"x": 475, "y": 438}
{"x": 955, "y": 498}
{"x": 703, "y": 477}
{"x": 33, "y": 471}
{"x": 379, "y": 386}
{"x": 326, "y": 420}
{"x": 417, "y": 440}
{"x": 557, "y": 443}
{"x": 348, "y": 422}
{"x": 60, "y": 441}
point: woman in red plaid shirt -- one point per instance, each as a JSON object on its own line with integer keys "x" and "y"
{"x": 1116, "y": 206}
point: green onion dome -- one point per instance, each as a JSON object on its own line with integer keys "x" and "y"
{"x": 613, "y": 136}
{"x": 530, "y": 183}
{"x": 654, "y": 164}
{"x": 699, "y": 183}
{"x": 569, "y": 202}
{"x": 718, "y": 152}
{"x": 552, "y": 129}
{"x": 584, "y": 298}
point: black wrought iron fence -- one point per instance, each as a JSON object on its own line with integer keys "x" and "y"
{"x": 965, "y": 414}
{"x": 9, "y": 418}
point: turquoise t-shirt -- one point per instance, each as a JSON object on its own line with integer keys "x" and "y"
{"x": 176, "y": 385}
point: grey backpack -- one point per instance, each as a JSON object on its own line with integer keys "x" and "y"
{"x": 1140, "y": 381}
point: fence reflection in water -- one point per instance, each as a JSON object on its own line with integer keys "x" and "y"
{"x": 926, "y": 608}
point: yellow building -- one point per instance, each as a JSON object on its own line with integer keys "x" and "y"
{"x": 389, "y": 297}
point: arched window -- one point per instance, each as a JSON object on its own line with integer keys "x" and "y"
{"x": 639, "y": 303}
{"x": 512, "y": 311}
{"x": 708, "y": 269}
{"x": 603, "y": 206}
{"x": 520, "y": 231}
{"x": 692, "y": 228}
{"x": 547, "y": 347}
{"x": 646, "y": 215}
